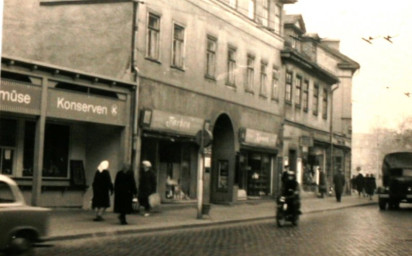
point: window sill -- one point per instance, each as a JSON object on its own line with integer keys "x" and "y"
{"x": 274, "y": 99}
{"x": 231, "y": 86}
{"x": 177, "y": 68}
{"x": 250, "y": 92}
{"x": 153, "y": 60}
{"x": 61, "y": 2}
{"x": 263, "y": 96}
{"x": 211, "y": 78}
{"x": 288, "y": 103}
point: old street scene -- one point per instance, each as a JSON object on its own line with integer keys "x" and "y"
{"x": 205, "y": 127}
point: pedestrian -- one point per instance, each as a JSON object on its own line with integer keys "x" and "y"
{"x": 285, "y": 173}
{"x": 360, "y": 183}
{"x": 353, "y": 183}
{"x": 124, "y": 191}
{"x": 147, "y": 186}
{"x": 339, "y": 182}
{"x": 370, "y": 185}
{"x": 322, "y": 183}
{"x": 102, "y": 186}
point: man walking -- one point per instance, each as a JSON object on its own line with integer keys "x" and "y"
{"x": 339, "y": 182}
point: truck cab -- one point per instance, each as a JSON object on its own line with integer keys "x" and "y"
{"x": 396, "y": 180}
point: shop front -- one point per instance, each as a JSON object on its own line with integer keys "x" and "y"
{"x": 256, "y": 164}
{"x": 55, "y": 130}
{"x": 169, "y": 142}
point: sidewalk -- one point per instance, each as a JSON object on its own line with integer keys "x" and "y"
{"x": 77, "y": 223}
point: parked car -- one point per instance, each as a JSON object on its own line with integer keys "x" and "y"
{"x": 396, "y": 180}
{"x": 22, "y": 226}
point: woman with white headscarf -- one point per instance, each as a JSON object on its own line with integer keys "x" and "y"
{"x": 102, "y": 186}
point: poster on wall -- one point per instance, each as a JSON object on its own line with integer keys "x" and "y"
{"x": 223, "y": 175}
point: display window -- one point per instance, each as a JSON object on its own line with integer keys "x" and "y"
{"x": 8, "y": 129}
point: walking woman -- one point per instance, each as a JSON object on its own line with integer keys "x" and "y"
{"x": 102, "y": 186}
{"x": 124, "y": 190}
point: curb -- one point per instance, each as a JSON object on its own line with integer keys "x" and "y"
{"x": 187, "y": 226}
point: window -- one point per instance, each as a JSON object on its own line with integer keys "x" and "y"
{"x": 250, "y": 73}
{"x": 315, "y": 99}
{"x": 275, "y": 84}
{"x": 252, "y": 9}
{"x": 263, "y": 79}
{"x": 8, "y": 128}
{"x": 178, "y": 46}
{"x": 153, "y": 27}
{"x": 305, "y": 96}
{"x": 265, "y": 13}
{"x": 56, "y": 150}
{"x": 231, "y": 66}
{"x": 6, "y": 195}
{"x": 211, "y": 57}
{"x": 277, "y": 25}
{"x": 325, "y": 104}
{"x": 298, "y": 93}
{"x": 288, "y": 89}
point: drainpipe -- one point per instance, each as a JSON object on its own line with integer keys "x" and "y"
{"x": 135, "y": 71}
{"x": 331, "y": 129}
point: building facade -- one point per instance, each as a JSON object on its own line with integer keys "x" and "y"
{"x": 202, "y": 63}
{"x": 324, "y": 100}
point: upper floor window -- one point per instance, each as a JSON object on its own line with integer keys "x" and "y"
{"x": 153, "y": 37}
{"x": 211, "y": 57}
{"x": 298, "y": 91}
{"x": 265, "y": 13}
{"x": 252, "y": 9}
{"x": 315, "y": 99}
{"x": 250, "y": 73}
{"x": 178, "y": 46}
{"x": 325, "y": 104}
{"x": 275, "y": 84}
{"x": 277, "y": 21}
{"x": 263, "y": 79}
{"x": 231, "y": 66}
{"x": 305, "y": 96}
{"x": 288, "y": 88}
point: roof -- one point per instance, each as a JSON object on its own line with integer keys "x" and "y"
{"x": 398, "y": 160}
{"x": 292, "y": 19}
{"x": 346, "y": 62}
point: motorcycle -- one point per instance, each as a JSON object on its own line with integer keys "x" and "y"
{"x": 285, "y": 212}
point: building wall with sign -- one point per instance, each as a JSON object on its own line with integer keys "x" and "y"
{"x": 57, "y": 126}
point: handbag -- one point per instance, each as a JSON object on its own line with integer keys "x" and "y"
{"x": 154, "y": 200}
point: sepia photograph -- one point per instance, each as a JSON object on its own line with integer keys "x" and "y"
{"x": 205, "y": 127}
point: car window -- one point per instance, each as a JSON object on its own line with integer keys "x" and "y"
{"x": 6, "y": 195}
{"x": 407, "y": 172}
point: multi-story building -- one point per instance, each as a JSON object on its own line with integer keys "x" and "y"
{"x": 170, "y": 70}
{"x": 318, "y": 101}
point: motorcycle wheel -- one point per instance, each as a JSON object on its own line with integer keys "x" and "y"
{"x": 280, "y": 220}
{"x": 295, "y": 222}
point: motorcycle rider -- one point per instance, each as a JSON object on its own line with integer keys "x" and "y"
{"x": 290, "y": 189}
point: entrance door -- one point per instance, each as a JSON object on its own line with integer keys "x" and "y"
{"x": 223, "y": 158}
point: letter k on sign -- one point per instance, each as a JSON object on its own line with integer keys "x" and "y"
{"x": 114, "y": 110}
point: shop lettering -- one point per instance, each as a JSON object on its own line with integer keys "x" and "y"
{"x": 81, "y": 107}
{"x": 16, "y": 97}
{"x": 177, "y": 123}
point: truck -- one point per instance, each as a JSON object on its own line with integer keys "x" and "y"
{"x": 396, "y": 180}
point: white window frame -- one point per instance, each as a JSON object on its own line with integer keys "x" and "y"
{"x": 178, "y": 47}
{"x": 153, "y": 38}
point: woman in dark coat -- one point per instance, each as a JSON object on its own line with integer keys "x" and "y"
{"x": 322, "y": 183}
{"x": 124, "y": 190}
{"x": 102, "y": 185}
{"x": 339, "y": 182}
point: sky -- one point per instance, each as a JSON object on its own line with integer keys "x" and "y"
{"x": 385, "y": 77}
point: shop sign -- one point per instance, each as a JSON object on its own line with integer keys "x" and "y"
{"x": 165, "y": 121}
{"x": 265, "y": 139}
{"x": 306, "y": 141}
{"x": 20, "y": 98}
{"x": 76, "y": 106}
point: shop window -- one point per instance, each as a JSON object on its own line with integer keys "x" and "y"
{"x": 258, "y": 174}
{"x": 56, "y": 150}
{"x": 8, "y": 128}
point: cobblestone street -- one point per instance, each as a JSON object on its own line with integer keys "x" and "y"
{"x": 352, "y": 231}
